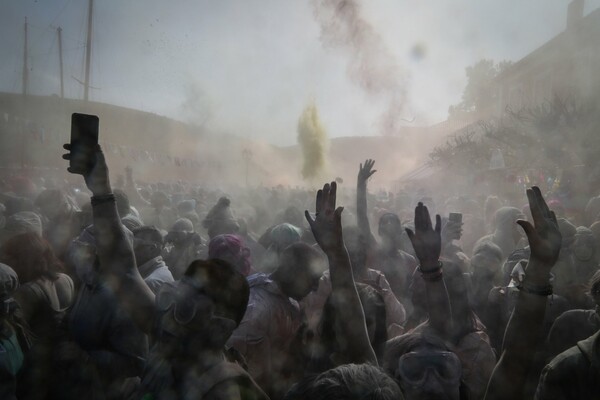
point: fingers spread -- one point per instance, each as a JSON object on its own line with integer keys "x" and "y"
{"x": 426, "y": 218}
{"x": 528, "y": 228}
{"x": 332, "y": 195}
{"x": 319, "y": 201}
{"x": 438, "y": 223}
{"x": 308, "y": 218}
{"x": 338, "y": 214}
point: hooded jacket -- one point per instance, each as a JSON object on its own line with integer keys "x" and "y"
{"x": 573, "y": 374}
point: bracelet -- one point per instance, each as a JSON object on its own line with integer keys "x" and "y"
{"x": 104, "y": 198}
{"x": 432, "y": 275}
{"x": 431, "y": 271}
{"x": 545, "y": 290}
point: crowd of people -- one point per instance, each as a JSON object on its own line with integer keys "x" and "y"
{"x": 174, "y": 291}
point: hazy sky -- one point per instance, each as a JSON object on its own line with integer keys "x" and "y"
{"x": 249, "y": 67}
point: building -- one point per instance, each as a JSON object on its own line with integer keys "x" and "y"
{"x": 566, "y": 66}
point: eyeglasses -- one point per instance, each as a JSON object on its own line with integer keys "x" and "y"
{"x": 414, "y": 368}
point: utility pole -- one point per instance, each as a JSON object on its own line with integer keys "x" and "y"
{"x": 88, "y": 52}
{"x": 60, "y": 56}
{"x": 25, "y": 67}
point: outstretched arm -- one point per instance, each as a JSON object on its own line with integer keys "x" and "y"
{"x": 327, "y": 229}
{"x": 427, "y": 244}
{"x": 365, "y": 171}
{"x": 114, "y": 249}
{"x": 524, "y": 330}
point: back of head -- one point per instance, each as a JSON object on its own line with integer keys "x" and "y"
{"x": 182, "y": 225}
{"x": 489, "y": 249}
{"x": 22, "y": 222}
{"x": 31, "y": 257}
{"x": 301, "y": 257}
{"x": 347, "y": 382}
{"x": 149, "y": 233}
{"x": 231, "y": 248}
{"x": 52, "y": 202}
{"x": 220, "y": 218}
{"x": 505, "y": 218}
{"x": 9, "y": 281}
{"x": 400, "y": 345}
{"x": 284, "y": 235}
{"x": 227, "y": 288}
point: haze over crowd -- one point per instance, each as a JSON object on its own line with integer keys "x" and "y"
{"x": 249, "y": 68}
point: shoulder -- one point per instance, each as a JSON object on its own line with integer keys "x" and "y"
{"x": 560, "y": 376}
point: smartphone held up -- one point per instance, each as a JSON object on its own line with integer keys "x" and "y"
{"x": 84, "y": 139}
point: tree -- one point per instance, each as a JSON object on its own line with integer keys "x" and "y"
{"x": 480, "y": 92}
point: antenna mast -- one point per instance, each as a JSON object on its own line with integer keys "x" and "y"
{"x": 60, "y": 56}
{"x": 88, "y": 53}
{"x": 25, "y": 67}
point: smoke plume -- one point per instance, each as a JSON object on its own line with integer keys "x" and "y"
{"x": 312, "y": 139}
{"x": 370, "y": 64}
{"x": 196, "y": 108}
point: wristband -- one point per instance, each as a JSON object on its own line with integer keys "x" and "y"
{"x": 432, "y": 275}
{"x": 104, "y": 198}
{"x": 544, "y": 290}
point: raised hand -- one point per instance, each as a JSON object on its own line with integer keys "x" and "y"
{"x": 426, "y": 241}
{"x": 543, "y": 236}
{"x": 327, "y": 224}
{"x": 96, "y": 178}
{"x": 366, "y": 171}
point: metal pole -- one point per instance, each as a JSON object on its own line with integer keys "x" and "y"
{"x": 60, "y": 56}
{"x": 88, "y": 52}
{"x": 25, "y": 67}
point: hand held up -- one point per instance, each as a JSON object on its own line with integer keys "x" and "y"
{"x": 426, "y": 241}
{"x": 327, "y": 224}
{"x": 543, "y": 235}
{"x": 365, "y": 171}
{"x": 96, "y": 178}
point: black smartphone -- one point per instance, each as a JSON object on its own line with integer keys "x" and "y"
{"x": 84, "y": 139}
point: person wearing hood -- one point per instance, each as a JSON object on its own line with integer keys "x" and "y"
{"x": 183, "y": 245}
{"x": 507, "y": 233}
{"x": 587, "y": 322}
{"x": 231, "y": 248}
{"x": 148, "y": 246}
{"x": 275, "y": 241}
{"x": 220, "y": 219}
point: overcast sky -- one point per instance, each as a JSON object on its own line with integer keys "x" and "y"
{"x": 249, "y": 67}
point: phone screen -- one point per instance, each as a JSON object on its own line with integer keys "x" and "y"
{"x": 84, "y": 138}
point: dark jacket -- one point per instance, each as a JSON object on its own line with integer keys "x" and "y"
{"x": 573, "y": 374}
